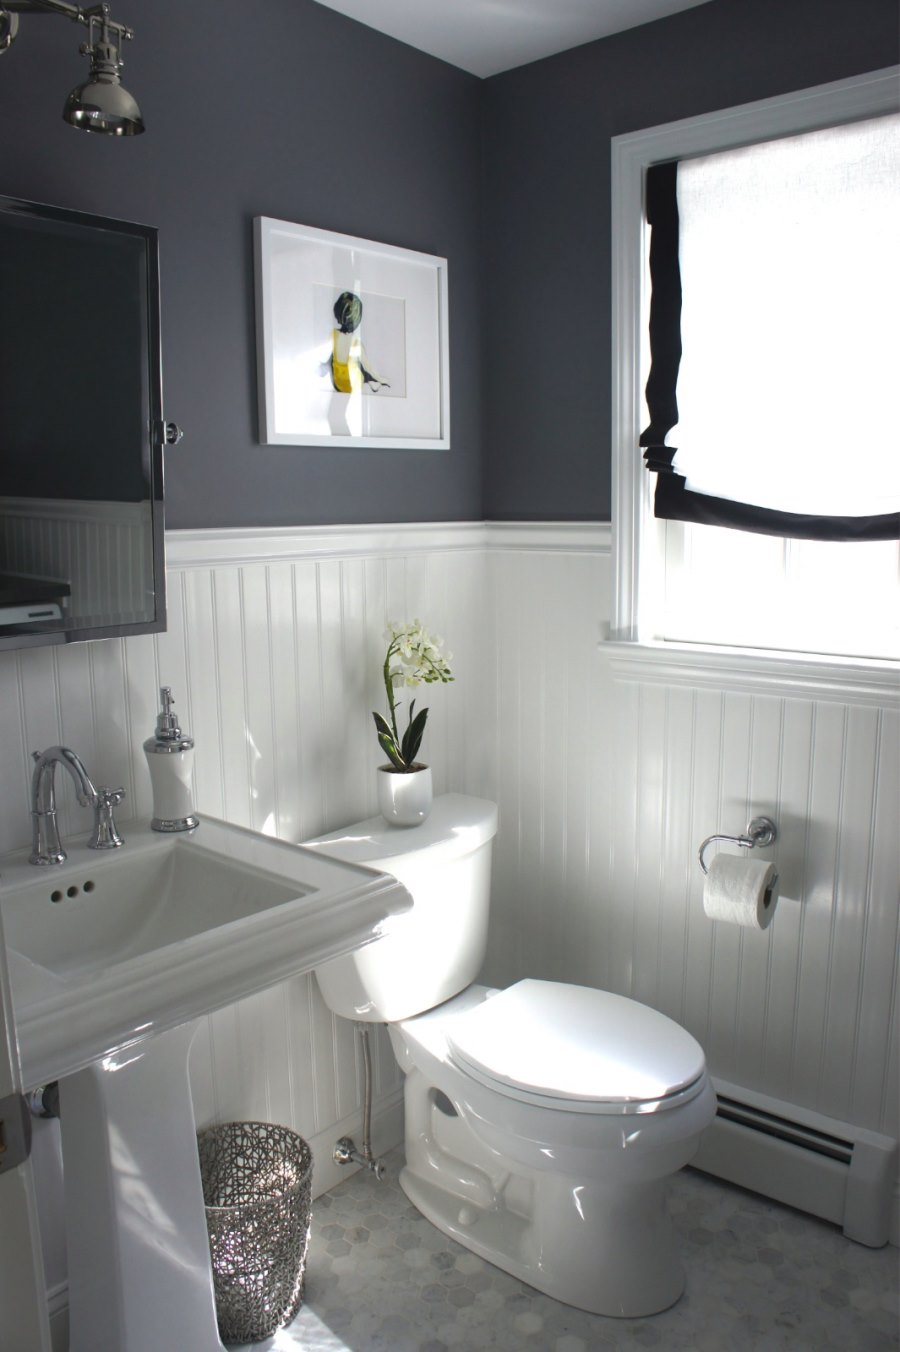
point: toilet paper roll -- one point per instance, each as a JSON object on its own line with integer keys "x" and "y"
{"x": 741, "y": 891}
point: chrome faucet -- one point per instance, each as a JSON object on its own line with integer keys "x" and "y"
{"x": 46, "y": 847}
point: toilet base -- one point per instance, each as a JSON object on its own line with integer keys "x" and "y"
{"x": 607, "y": 1246}
{"x": 601, "y": 1279}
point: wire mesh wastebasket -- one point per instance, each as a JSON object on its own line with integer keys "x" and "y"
{"x": 257, "y": 1184}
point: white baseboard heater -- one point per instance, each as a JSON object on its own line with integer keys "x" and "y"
{"x": 827, "y": 1168}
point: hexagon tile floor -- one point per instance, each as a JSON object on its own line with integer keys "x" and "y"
{"x": 760, "y": 1278}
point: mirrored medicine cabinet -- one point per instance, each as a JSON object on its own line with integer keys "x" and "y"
{"x": 81, "y": 428}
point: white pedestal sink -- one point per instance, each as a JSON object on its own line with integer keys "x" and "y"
{"x": 138, "y": 1255}
{"x": 111, "y": 959}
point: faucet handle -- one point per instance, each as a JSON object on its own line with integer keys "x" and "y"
{"x": 106, "y": 834}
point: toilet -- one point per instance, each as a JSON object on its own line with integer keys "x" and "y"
{"x": 543, "y": 1121}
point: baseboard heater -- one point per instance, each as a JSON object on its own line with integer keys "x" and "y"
{"x": 827, "y": 1168}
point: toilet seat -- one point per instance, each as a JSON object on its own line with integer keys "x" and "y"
{"x": 577, "y": 1049}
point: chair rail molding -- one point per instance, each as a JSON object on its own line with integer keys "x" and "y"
{"x": 218, "y": 546}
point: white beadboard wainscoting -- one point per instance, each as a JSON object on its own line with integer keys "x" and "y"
{"x": 608, "y": 782}
{"x": 606, "y": 787}
{"x": 273, "y": 650}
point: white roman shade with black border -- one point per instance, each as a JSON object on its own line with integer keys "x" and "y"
{"x": 775, "y": 357}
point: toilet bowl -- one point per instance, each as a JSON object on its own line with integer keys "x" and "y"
{"x": 543, "y": 1121}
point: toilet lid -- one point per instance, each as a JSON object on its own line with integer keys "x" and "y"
{"x": 574, "y": 1044}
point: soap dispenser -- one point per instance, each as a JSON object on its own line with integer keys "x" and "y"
{"x": 170, "y": 757}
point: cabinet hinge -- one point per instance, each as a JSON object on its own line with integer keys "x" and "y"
{"x": 168, "y": 433}
{"x": 15, "y": 1132}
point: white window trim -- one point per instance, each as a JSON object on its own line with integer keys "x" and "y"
{"x": 634, "y": 654}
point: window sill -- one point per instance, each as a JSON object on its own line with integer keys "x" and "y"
{"x": 757, "y": 671}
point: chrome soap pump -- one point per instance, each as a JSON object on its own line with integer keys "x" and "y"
{"x": 170, "y": 758}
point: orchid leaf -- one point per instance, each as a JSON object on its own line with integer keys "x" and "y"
{"x": 412, "y": 738}
{"x": 382, "y": 726}
{"x": 387, "y": 743}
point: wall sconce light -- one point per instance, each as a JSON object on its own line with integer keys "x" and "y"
{"x": 101, "y": 104}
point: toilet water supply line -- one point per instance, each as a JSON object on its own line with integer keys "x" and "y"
{"x": 345, "y": 1151}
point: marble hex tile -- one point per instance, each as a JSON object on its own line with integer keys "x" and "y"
{"x": 760, "y": 1278}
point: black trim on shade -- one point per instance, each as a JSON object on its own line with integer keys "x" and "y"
{"x": 665, "y": 313}
{"x": 673, "y": 500}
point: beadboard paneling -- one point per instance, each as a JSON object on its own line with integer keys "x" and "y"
{"x": 279, "y": 664}
{"x": 805, "y": 1011}
{"x": 606, "y": 788}
{"x": 275, "y": 665}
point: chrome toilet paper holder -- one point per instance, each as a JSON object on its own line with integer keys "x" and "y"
{"x": 761, "y": 831}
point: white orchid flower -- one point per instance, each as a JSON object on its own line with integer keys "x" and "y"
{"x": 413, "y": 658}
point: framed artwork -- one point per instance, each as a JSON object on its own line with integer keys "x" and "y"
{"x": 351, "y": 341}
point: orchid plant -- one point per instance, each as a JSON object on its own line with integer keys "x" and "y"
{"x": 413, "y": 658}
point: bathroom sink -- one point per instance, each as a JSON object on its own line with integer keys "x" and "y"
{"x": 113, "y": 947}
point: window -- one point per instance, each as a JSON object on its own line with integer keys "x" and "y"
{"x": 684, "y": 582}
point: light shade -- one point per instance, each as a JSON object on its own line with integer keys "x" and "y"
{"x": 102, "y": 105}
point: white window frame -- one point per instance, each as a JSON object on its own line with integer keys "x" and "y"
{"x": 633, "y": 653}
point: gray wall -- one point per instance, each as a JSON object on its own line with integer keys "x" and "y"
{"x": 547, "y": 272}
{"x": 286, "y": 109}
{"x": 280, "y": 108}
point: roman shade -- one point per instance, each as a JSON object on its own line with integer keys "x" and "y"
{"x": 775, "y": 290}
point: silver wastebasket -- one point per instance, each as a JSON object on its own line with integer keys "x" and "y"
{"x": 257, "y": 1186}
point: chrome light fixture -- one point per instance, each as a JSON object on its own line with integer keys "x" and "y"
{"x": 101, "y": 104}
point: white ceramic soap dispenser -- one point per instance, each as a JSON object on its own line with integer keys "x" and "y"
{"x": 170, "y": 756}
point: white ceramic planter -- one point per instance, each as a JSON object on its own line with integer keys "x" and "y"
{"x": 404, "y": 798}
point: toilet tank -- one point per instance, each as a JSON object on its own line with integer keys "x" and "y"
{"x": 434, "y": 950}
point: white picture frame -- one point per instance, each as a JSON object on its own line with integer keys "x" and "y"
{"x": 352, "y": 341}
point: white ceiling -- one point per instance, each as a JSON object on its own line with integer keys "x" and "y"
{"x": 487, "y": 36}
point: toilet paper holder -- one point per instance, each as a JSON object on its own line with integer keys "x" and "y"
{"x": 761, "y": 831}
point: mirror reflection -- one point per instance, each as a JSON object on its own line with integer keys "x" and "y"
{"x": 81, "y": 546}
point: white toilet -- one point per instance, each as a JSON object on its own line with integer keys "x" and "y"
{"x": 542, "y": 1121}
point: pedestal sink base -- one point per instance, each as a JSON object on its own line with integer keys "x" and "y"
{"x": 138, "y": 1253}
{"x": 108, "y": 953}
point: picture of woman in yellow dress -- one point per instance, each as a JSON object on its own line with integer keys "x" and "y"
{"x": 348, "y": 365}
